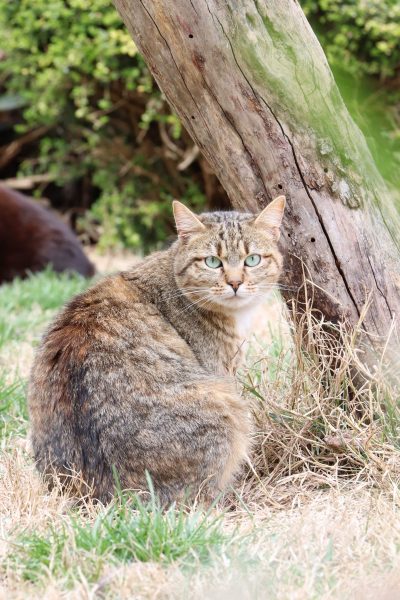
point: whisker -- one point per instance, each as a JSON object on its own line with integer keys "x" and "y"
{"x": 277, "y": 286}
{"x": 178, "y": 293}
{"x": 193, "y": 305}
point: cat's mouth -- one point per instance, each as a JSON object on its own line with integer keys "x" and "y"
{"x": 233, "y": 301}
{"x": 226, "y": 299}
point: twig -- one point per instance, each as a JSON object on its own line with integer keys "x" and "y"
{"x": 26, "y": 183}
{"x": 10, "y": 151}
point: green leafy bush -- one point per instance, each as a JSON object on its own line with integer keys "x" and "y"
{"x": 81, "y": 77}
{"x": 360, "y": 36}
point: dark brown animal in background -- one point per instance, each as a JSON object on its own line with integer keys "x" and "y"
{"x": 31, "y": 238}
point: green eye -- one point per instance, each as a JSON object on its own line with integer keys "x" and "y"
{"x": 253, "y": 260}
{"x": 213, "y": 262}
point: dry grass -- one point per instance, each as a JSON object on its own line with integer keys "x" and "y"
{"x": 315, "y": 514}
{"x": 320, "y": 420}
{"x": 340, "y": 543}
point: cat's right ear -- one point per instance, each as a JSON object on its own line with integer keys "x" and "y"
{"x": 186, "y": 222}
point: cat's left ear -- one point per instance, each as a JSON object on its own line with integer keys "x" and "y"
{"x": 271, "y": 216}
{"x": 186, "y": 222}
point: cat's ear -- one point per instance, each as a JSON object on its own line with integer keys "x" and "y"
{"x": 271, "y": 216}
{"x": 186, "y": 222}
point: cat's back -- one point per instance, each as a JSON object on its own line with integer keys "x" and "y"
{"x": 113, "y": 325}
{"x": 31, "y": 237}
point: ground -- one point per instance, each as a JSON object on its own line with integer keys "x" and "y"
{"x": 315, "y": 514}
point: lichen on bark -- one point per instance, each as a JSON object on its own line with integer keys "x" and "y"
{"x": 302, "y": 93}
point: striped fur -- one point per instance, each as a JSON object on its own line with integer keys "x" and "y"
{"x": 135, "y": 374}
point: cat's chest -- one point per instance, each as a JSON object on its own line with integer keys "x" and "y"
{"x": 231, "y": 346}
{"x": 244, "y": 323}
{"x": 244, "y": 326}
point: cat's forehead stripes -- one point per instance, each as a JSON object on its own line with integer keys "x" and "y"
{"x": 230, "y": 239}
{"x": 230, "y": 243}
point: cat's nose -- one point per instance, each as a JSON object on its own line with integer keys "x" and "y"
{"x": 235, "y": 285}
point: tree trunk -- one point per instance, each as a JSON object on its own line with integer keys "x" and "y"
{"x": 252, "y": 86}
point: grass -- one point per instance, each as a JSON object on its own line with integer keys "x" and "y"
{"x": 314, "y": 515}
{"x": 27, "y": 305}
{"x": 25, "y": 309}
{"x": 128, "y": 530}
{"x": 315, "y": 423}
{"x": 13, "y": 409}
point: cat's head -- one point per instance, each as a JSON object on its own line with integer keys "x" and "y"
{"x": 228, "y": 260}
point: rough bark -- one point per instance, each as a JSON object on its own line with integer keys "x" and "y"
{"x": 252, "y": 86}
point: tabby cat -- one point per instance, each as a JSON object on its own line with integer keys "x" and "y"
{"x": 136, "y": 374}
